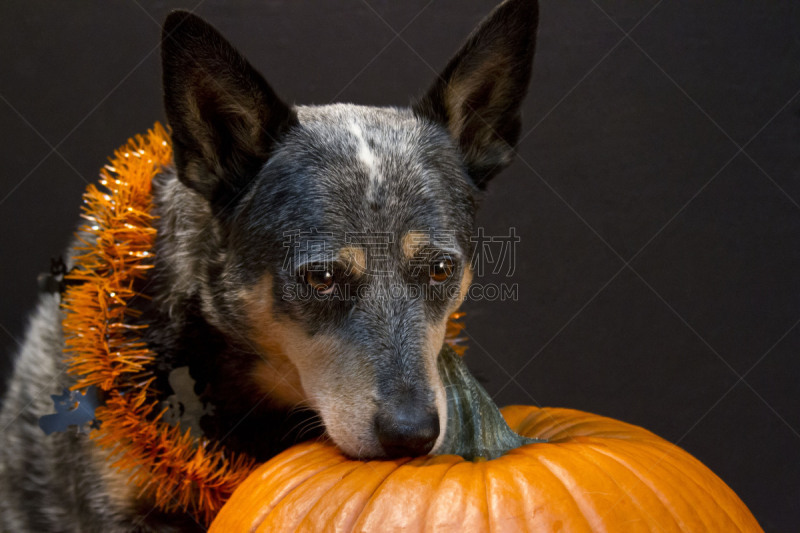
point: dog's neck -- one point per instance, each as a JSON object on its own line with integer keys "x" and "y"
{"x": 187, "y": 232}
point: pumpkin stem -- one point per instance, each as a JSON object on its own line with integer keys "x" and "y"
{"x": 475, "y": 427}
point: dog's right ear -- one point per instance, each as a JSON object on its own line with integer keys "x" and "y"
{"x": 478, "y": 95}
{"x": 225, "y": 118}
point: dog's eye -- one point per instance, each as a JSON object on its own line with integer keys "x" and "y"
{"x": 441, "y": 269}
{"x": 320, "y": 278}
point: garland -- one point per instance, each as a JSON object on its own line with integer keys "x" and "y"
{"x": 104, "y": 349}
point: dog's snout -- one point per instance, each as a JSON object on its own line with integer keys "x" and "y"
{"x": 407, "y": 429}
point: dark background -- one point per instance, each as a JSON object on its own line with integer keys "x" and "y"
{"x": 655, "y": 194}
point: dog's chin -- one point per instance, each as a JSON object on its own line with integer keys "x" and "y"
{"x": 365, "y": 455}
{"x": 352, "y": 428}
{"x": 350, "y": 433}
{"x": 363, "y": 447}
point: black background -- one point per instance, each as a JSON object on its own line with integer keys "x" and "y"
{"x": 655, "y": 194}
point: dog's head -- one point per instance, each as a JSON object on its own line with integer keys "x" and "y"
{"x": 341, "y": 239}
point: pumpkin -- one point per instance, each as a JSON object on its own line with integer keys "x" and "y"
{"x": 559, "y": 470}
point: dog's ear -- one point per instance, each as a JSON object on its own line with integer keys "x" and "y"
{"x": 225, "y": 118}
{"x": 478, "y": 95}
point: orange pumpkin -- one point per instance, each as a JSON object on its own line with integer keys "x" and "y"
{"x": 592, "y": 474}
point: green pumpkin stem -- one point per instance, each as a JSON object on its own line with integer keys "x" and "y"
{"x": 475, "y": 427}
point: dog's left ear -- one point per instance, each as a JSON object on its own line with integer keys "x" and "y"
{"x": 478, "y": 95}
{"x": 225, "y": 118}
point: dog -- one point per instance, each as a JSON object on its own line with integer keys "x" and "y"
{"x": 306, "y": 262}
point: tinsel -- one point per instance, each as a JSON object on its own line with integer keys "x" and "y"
{"x": 106, "y": 349}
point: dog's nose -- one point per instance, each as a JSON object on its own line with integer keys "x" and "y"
{"x": 407, "y": 429}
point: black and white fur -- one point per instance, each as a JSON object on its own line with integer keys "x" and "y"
{"x": 355, "y": 360}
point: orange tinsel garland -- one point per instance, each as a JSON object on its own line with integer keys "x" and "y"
{"x": 176, "y": 470}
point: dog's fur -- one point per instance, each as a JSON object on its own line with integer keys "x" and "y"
{"x": 368, "y": 194}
